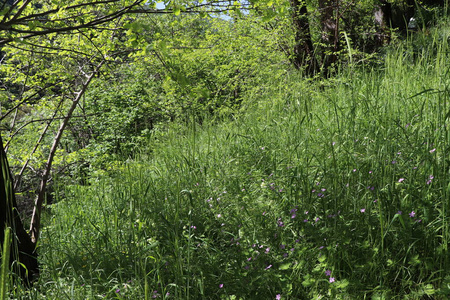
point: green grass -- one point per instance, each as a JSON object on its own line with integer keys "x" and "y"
{"x": 348, "y": 176}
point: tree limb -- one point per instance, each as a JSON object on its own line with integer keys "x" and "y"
{"x": 36, "y": 217}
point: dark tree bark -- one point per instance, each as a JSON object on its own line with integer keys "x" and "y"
{"x": 383, "y": 21}
{"x": 23, "y": 250}
{"x": 329, "y": 19}
{"x": 303, "y": 51}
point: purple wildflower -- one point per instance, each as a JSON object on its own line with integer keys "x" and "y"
{"x": 412, "y": 214}
{"x": 221, "y": 285}
{"x": 328, "y": 272}
{"x": 280, "y": 223}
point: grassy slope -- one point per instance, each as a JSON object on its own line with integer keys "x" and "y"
{"x": 350, "y": 179}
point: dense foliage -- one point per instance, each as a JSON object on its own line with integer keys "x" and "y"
{"x": 189, "y": 155}
{"x": 336, "y": 191}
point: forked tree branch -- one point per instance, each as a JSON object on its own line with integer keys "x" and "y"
{"x": 36, "y": 217}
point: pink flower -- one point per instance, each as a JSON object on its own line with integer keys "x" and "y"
{"x": 401, "y": 180}
{"x": 363, "y": 210}
{"x": 332, "y": 280}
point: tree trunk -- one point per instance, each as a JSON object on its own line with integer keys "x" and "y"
{"x": 303, "y": 51}
{"x": 329, "y": 21}
{"x": 23, "y": 250}
{"x": 383, "y": 18}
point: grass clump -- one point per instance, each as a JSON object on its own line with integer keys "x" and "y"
{"x": 315, "y": 191}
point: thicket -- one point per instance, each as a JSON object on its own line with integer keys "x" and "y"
{"x": 335, "y": 191}
{"x": 199, "y": 163}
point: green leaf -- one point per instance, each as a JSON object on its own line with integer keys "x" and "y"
{"x": 429, "y": 289}
{"x": 415, "y": 260}
{"x": 341, "y": 284}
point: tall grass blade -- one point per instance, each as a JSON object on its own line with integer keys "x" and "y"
{"x": 4, "y": 275}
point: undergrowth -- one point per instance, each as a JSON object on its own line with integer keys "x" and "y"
{"x": 316, "y": 190}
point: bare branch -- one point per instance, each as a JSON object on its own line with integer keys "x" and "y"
{"x": 93, "y": 23}
{"x": 19, "y": 177}
{"x": 35, "y": 219}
